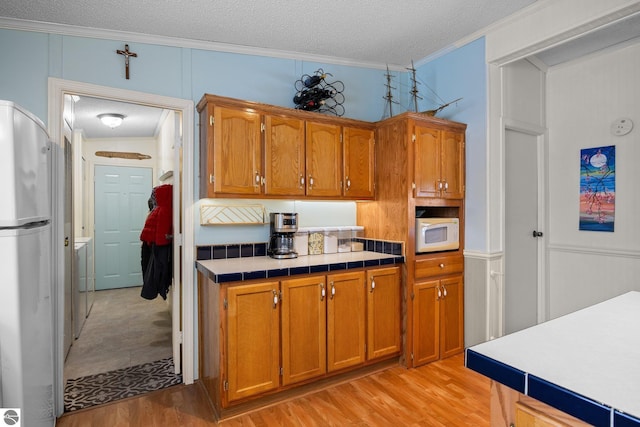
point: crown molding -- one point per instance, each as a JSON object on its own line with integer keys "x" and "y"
{"x": 97, "y": 33}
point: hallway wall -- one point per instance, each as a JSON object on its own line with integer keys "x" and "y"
{"x": 584, "y": 98}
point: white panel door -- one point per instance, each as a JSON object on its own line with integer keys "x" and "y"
{"x": 121, "y": 207}
{"x": 521, "y": 221}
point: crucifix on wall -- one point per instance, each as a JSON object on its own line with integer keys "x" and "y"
{"x": 126, "y": 54}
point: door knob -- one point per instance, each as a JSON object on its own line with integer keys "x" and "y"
{"x": 537, "y": 233}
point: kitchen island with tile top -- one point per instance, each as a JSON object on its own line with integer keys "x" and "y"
{"x": 584, "y": 366}
{"x": 270, "y": 329}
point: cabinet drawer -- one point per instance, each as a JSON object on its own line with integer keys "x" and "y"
{"x": 438, "y": 266}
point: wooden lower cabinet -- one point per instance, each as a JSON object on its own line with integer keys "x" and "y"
{"x": 345, "y": 320}
{"x": 262, "y": 338}
{"x": 383, "y": 306}
{"x": 304, "y": 329}
{"x": 529, "y": 417}
{"x": 253, "y": 339}
{"x": 511, "y": 408}
{"x": 438, "y": 328}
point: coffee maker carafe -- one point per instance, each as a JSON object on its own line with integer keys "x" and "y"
{"x": 282, "y": 226}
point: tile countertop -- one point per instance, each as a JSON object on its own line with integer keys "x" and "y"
{"x": 264, "y": 267}
{"x": 586, "y": 363}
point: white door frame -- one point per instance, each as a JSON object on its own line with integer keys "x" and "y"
{"x": 57, "y": 88}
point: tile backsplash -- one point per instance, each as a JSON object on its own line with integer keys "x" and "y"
{"x": 244, "y": 250}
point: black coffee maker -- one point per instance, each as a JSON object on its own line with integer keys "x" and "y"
{"x": 283, "y": 226}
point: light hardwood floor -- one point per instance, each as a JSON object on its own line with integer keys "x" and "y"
{"x": 440, "y": 394}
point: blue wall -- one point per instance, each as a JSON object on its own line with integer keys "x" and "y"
{"x": 462, "y": 73}
{"x": 24, "y": 70}
{"x": 30, "y": 58}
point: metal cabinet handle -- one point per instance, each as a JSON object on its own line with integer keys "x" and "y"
{"x": 310, "y": 181}
{"x": 439, "y": 292}
{"x": 275, "y": 298}
{"x": 333, "y": 290}
{"x": 322, "y": 292}
{"x": 444, "y": 291}
{"x": 348, "y": 181}
{"x": 301, "y": 181}
{"x": 441, "y": 265}
{"x": 373, "y": 284}
{"x": 446, "y": 185}
{"x": 257, "y": 179}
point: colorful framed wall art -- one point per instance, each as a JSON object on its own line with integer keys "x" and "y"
{"x": 597, "y": 188}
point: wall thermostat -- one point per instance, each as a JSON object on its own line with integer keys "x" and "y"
{"x": 621, "y": 126}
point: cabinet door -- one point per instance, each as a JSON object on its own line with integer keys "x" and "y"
{"x": 383, "y": 312}
{"x": 206, "y": 152}
{"x": 451, "y": 317}
{"x": 324, "y": 160}
{"x": 426, "y": 322}
{"x": 359, "y": 162}
{"x": 253, "y": 339}
{"x": 237, "y": 151}
{"x": 452, "y": 144}
{"x": 427, "y": 165}
{"x": 533, "y": 413}
{"x": 345, "y": 320}
{"x": 284, "y": 156}
{"x": 304, "y": 319}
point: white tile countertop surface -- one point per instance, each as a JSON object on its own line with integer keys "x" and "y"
{"x": 234, "y": 269}
{"x": 593, "y": 353}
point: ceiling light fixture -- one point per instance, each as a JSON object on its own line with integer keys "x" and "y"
{"x": 112, "y": 120}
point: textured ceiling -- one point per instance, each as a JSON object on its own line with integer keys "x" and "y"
{"x": 365, "y": 31}
{"x": 359, "y": 31}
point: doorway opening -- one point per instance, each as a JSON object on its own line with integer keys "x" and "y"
{"x": 114, "y": 329}
{"x": 174, "y": 315}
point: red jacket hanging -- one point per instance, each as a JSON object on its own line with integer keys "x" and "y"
{"x": 158, "y": 226}
{"x": 156, "y": 250}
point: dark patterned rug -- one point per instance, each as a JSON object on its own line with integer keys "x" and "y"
{"x": 98, "y": 389}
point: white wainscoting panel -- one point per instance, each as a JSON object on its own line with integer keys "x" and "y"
{"x": 581, "y": 277}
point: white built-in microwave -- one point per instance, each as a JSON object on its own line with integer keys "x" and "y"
{"x": 437, "y": 234}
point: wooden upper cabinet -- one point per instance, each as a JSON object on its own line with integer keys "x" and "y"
{"x": 439, "y": 163}
{"x": 233, "y": 153}
{"x": 284, "y": 156}
{"x": 304, "y": 319}
{"x": 452, "y": 148}
{"x": 359, "y": 161}
{"x": 253, "y": 340}
{"x": 257, "y": 150}
{"x": 324, "y": 160}
{"x": 427, "y": 155}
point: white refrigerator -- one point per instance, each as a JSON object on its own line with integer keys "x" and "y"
{"x": 26, "y": 270}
